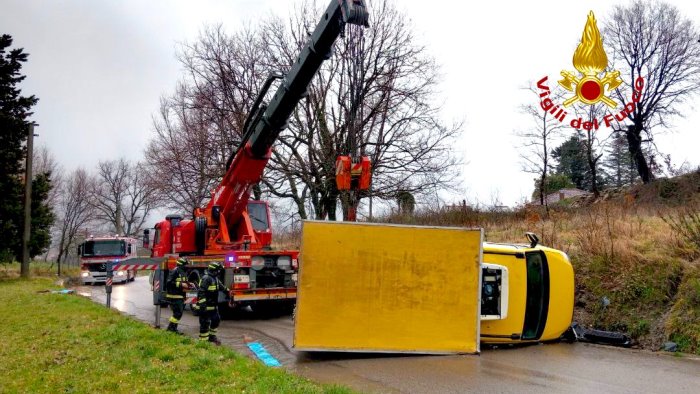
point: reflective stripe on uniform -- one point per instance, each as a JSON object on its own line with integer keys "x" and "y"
{"x": 212, "y": 287}
{"x": 174, "y": 320}
{"x": 211, "y": 308}
{"x": 173, "y": 296}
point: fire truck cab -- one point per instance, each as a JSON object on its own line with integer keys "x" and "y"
{"x": 96, "y": 252}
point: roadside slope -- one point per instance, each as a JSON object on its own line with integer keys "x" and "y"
{"x": 65, "y": 343}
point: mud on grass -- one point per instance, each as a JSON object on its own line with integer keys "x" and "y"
{"x": 66, "y": 343}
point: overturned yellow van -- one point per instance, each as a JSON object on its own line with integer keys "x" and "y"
{"x": 367, "y": 287}
{"x": 527, "y": 293}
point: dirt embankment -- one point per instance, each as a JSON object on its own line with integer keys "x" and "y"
{"x": 635, "y": 251}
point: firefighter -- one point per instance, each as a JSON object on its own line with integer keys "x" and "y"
{"x": 207, "y": 303}
{"x": 176, "y": 286}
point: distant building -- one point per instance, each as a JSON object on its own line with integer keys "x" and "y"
{"x": 562, "y": 194}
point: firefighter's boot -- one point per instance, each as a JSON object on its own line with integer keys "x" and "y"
{"x": 172, "y": 327}
{"x": 214, "y": 340}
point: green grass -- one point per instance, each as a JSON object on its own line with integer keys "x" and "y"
{"x": 66, "y": 343}
{"x": 684, "y": 321}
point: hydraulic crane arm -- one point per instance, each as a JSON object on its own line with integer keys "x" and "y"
{"x": 294, "y": 85}
{"x": 265, "y": 122}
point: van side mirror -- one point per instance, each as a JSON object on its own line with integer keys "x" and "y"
{"x": 145, "y": 238}
{"x": 80, "y": 250}
{"x": 532, "y": 237}
{"x": 128, "y": 248}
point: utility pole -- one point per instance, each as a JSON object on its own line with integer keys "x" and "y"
{"x": 24, "y": 269}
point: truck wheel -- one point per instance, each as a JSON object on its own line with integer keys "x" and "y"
{"x": 194, "y": 277}
{"x": 200, "y": 229}
{"x": 289, "y": 308}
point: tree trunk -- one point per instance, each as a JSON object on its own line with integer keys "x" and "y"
{"x": 593, "y": 167}
{"x": 330, "y": 206}
{"x": 634, "y": 140}
{"x": 118, "y": 220}
{"x": 257, "y": 192}
{"x": 594, "y": 180}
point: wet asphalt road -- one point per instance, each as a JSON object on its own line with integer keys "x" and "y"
{"x": 570, "y": 368}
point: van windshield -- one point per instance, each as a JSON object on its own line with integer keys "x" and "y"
{"x": 112, "y": 247}
{"x": 537, "y": 302}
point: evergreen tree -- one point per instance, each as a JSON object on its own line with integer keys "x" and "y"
{"x": 618, "y": 162}
{"x": 14, "y": 123}
{"x": 42, "y": 215}
{"x": 571, "y": 162}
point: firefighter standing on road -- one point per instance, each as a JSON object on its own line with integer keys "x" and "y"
{"x": 177, "y": 285}
{"x": 207, "y": 303}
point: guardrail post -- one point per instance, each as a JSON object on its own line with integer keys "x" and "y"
{"x": 157, "y": 284}
{"x": 108, "y": 283}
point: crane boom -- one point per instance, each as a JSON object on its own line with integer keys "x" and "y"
{"x": 265, "y": 122}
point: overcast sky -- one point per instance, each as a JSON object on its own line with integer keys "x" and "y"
{"x": 100, "y": 67}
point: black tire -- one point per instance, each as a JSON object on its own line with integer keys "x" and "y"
{"x": 200, "y": 230}
{"x": 194, "y": 277}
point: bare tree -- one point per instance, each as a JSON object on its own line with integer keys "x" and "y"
{"x": 538, "y": 139}
{"x": 199, "y": 125}
{"x": 655, "y": 42}
{"x": 45, "y": 162}
{"x": 391, "y": 79}
{"x": 399, "y": 127}
{"x": 75, "y": 210}
{"x": 180, "y": 160}
{"x": 141, "y": 199}
{"x": 593, "y": 143}
{"x": 122, "y": 197}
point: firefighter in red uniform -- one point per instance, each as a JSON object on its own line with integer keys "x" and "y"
{"x": 176, "y": 286}
{"x": 208, "y": 301}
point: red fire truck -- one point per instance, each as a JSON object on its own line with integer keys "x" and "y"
{"x": 232, "y": 229}
{"x": 96, "y": 252}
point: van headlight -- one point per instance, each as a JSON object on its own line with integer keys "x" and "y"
{"x": 120, "y": 273}
{"x": 84, "y": 274}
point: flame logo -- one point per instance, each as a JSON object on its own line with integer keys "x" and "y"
{"x": 590, "y": 57}
{"x": 590, "y": 60}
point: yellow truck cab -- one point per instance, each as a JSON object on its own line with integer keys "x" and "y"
{"x": 531, "y": 300}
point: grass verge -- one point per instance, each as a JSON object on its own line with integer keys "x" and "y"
{"x": 66, "y": 343}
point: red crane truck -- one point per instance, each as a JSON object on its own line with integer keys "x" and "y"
{"x": 233, "y": 229}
